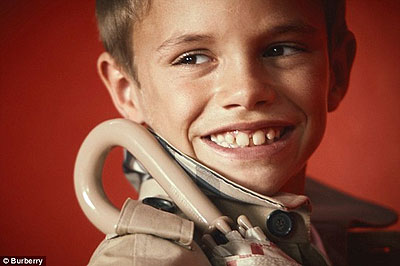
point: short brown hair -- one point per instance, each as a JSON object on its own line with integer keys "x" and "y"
{"x": 116, "y": 18}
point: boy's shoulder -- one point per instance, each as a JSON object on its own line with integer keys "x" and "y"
{"x": 336, "y": 213}
{"x": 146, "y": 249}
{"x": 333, "y": 206}
{"x": 148, "y": 236}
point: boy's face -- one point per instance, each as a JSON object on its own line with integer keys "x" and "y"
{"x": 236, "y": 68}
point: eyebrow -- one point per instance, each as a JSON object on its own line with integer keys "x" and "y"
{"x": 183, "y": 39}
{"x": 298, "y": 27}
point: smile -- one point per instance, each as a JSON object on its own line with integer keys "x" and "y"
{"x": 244, "y": 138}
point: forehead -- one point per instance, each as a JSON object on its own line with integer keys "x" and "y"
{"x": 220, "y": 19}
{"x": 194, "y": 14}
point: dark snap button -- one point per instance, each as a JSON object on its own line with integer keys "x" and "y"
{"x": 161, "y": 204}
{"x": 279, "y": 223}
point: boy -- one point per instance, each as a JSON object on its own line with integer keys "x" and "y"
{"x": 243, "y": 88}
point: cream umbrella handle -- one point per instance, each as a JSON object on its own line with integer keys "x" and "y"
{"x": 138, "y": 141}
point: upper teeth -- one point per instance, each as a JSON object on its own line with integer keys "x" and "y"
{"x": 237, "y": 138}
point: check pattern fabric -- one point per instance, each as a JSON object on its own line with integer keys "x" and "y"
{"x": 249, "y": 251}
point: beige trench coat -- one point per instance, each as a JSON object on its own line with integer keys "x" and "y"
{"x": 148, "y": 236}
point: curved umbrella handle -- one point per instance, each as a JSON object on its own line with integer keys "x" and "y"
{"x": 139, "y": 142}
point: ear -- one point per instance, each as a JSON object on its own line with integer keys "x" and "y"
{"x": 342, "y": 57}
{"x": 122, "y": 88}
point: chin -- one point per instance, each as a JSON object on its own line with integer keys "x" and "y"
{"x": 264, "y": 182}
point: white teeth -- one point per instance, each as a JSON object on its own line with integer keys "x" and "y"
{"x": 258, "y": 137}
{"x": 242, "y": 139}
{"x": 229, "y": 138}
{"x": 271, "y": 134}
{"x": 234, "y": 145}
{"x": 224, "y": 144}
{"x": 220, "y": 138}
{"x": 237, "y": 138}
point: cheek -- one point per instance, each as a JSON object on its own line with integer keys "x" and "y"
{"x": 183, "y": 102}
{"x": 175, "y": 106}
{"x": 312, "y": 99}
{"x": 315, "y": 101}
{"x": 307, "y": 87}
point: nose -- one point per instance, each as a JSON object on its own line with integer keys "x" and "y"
{"x": 244, "y": 84}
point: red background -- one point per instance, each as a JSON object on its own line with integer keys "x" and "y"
{"x": 50, "y": 97}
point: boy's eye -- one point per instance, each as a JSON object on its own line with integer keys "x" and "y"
{"x": 191, "y": 59}
{"x": 281, "y": 50}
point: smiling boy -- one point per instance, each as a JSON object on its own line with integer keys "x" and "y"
{"x": 242, "y": 87}
{"x": 233, "y": 68}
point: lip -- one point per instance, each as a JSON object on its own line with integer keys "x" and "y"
{"x": 255, "y": 152}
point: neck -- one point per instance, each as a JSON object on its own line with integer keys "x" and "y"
{"x": 296, "y": 184}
